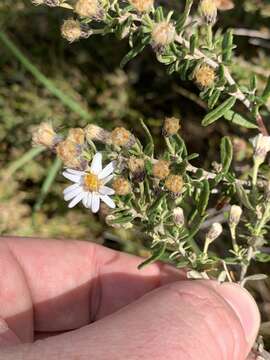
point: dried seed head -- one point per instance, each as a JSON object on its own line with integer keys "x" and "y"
{"x": 224, "y": 5}
{"x": 96, "y": 133}
{"x": 161, "y": 169}
{"x": 235, "y": 215}
{"x": 51, "y": 3}
{"x": 76, "y": 135}
{"x": 214, "y": 232}
{"x": 174, "y": 183}
{"x": 208, "y": 9}
{"x": 87, "y": 8}
{"x": 71, "y": 30}
{"x": 142, "y": 5}
{"x": 261, "y": 145}
{"x": 71, "y": 154}
{"x": 137, "y": 168}
{"x": 163, "y": 33}
{"x": 205, "y": 75}
{"x": 45, "y": 135}
{"x": 178, "y": 216}
{"x": 171, "y": 126}
{"x": 121, "y": 186}
{"x": 122, "y": 137}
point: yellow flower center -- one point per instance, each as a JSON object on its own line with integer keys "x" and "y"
{"x": 91, "y": 182}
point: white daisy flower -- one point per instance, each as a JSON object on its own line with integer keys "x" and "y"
{"x": 89, "y": 186}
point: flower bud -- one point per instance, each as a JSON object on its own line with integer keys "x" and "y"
{"x": 163, "y": 34}
{"x": 45, "y": 135}
{"x": 121, "y": 186}
{"x": 137, "y": 168}
{"x": 171, "y": 126}
{"x": 261, "y": 145}
{"x": 76, "y": 135}
{"x": 208, "y": 9}
{"x": 122, "y": 137}
{"x": 142, "y": 5}
{"x": 178, "y": 216}
{"x": 71, "y": 154}
{"x": 96, "y": 133}
{"x": 204, "y": 76}
{"x": 71, "y": 30}
{"x": 235, "y": 215}
{"x": 214, "y": 232}
{"x": 174, "y": 183}
{"x": 161, "y": 169}
{"x": 87, "y": 8}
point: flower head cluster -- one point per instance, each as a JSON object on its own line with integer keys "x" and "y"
{"x": 204, "y": 76}
{"x": 163, "y": 34}
{"x": 261, "y": 145}
{"x": 208, "y": 9}
{"x": 71, "y": 30}
{"x": 142, "y": 5}
{"x": 90, "y": 185}
{"x": 45, "y": 135}
{"x": 87, "y": 8}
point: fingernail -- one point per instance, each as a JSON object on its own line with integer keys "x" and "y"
{"x": 245, "y": 308}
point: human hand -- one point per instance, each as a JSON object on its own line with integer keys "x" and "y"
{"x": 117, "y": 311}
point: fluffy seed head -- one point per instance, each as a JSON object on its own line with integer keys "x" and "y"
{"x": 121, "y": 186}
{"x": 121, "y": 136}
{"x": 71, "y": 30}
{"x": 142, "y": 5}
{"x": 204, "y": 75}
{"x": 76, "y": 135}
{"x": 137, "y": 168}
{"x": 96, "y": 133}
{"x": 70, "y": 153}
{"x": 171, "y": 126}
{"x": 174, "y": 183}
{"x": 87, "y": 8}
{"x": 208, "y": 9}
{"x": 44, "y": 135}
{"x": 163, "y": 33}
{"x": 214, "y": 232}
{"x": 178, "y": 216}
{"x": 261, "y": 145}
{"x": 235, "y": 215}
{"x": 161, "y": 169}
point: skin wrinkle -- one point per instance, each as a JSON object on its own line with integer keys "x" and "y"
{"x": 224, "y": 317}
{"x": 95, "y": 291}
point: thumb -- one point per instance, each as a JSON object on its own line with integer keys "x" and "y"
{"x": 187, "y": 320}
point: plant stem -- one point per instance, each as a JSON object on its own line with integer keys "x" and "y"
{"x": 29, "y": 155}
{"x": 48, "y": 84}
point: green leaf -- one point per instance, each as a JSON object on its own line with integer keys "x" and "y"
{"x": 157, "y": 254}
{"x": 226, "y": 152}
{"x": 203, "y": 197}
{"x": 183, "y": 18}
{"x": 51, "y": 175}
{"x": 227, "y": 45}
{"x": 193, "y": 43}
{"x": 135, "y": 51}
{"x": 219, "y": 111}
{"x": 238, "y": 119}
{"x": 214, "y": 98}
{"x": 243, "y": 197}
{"x": 149, "y": 149}
{"x": 266, "y": 92}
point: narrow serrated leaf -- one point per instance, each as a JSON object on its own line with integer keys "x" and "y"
{"x": 157, "y": 254}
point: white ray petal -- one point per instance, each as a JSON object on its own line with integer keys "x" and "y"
{"x": 77, "y": 199}
{"x": 107, "y": 179}
{"x": 108, "y": 201}
{"x": 107, "y": 170}
{"x": 85, "y": 200}
{"x": 105, "y": 190}
{"x": 96, "y": 165}
{"x": 72, "y": 177}
{"x": 70, "y": 188}
{"x": 89, "y": 200}
{"x": 95, "y": 202}
{"x": 75, "y": 172}
{"x": 70, "y": 195}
